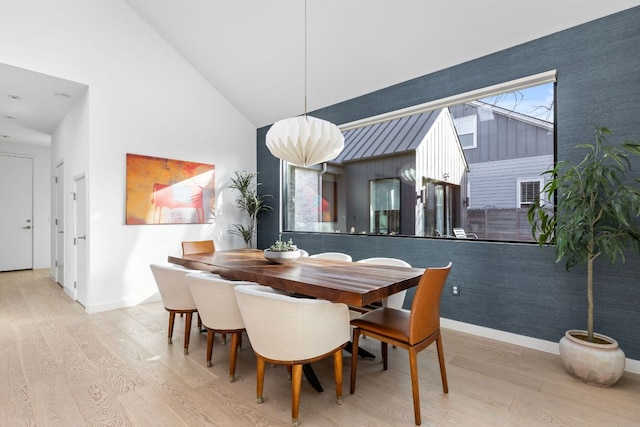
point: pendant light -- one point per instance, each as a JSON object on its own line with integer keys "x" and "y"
{"x": 305, "y": 140}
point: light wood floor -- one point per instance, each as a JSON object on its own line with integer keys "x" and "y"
{"x": 62, "y": 367}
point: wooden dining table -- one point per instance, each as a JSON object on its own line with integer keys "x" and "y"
{"x": 351, "y": 283}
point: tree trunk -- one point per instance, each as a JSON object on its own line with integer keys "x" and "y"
{"x": 590, "y": 298}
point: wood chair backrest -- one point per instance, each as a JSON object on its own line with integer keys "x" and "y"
{"x": 198, "y": 247}
{"x": 425, "y": 309}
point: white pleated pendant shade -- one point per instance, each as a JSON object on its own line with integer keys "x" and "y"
{"x": 305, "y": 140}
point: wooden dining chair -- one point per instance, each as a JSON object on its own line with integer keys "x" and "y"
{"x": 198, "y": 247}
{"x": 336, "y": 256}
{"x": 176, "y": 297}
{"x": 284, "y": 330}
{"x": 413, "y": 330}
{"x": 217, "y": 307}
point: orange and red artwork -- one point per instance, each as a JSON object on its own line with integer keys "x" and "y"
{"x": 166, "y": 191}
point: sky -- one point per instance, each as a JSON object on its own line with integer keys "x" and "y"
{"x": 536, "y": 101}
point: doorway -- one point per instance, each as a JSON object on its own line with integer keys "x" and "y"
{"x": 16, "y": 216}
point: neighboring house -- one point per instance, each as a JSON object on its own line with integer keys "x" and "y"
{"x": 404, "y": 176}
{"x": 507, "y": 153}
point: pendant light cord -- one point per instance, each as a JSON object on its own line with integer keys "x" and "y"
{"x": 305, "y": 58}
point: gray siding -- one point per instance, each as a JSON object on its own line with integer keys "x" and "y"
{"x": 501, "y": 137}
{"x": 489, "y": 189}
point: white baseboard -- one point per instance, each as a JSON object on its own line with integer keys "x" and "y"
{"x": 97, "y": 308}
{"x": 631, "y": 365}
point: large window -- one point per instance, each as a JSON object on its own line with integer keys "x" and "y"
{"x": 473, "y": 161}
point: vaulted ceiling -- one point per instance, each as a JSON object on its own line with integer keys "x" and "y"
{"x": 253, "y": 52}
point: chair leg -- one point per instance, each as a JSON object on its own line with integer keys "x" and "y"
{"x": 443, "y": 370}
{"x": 259, "y": 379}
{"x": 415, "y": 386}
{"x": 209, "y": 346}
{"x": 233, "y": 356}
{"x": 384, "y": 349}
{"x": 354, "y": 360}
{"x": 337, "y": 369}
{"x": 289, "y": 369}
{"x": 295, "y": 392}
{"x": 172, "y": 318}
{"x": 187, "y": 331}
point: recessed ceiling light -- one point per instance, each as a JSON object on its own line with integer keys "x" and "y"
{"x": 62, "y": 95}
{"x": 14, "y": 97}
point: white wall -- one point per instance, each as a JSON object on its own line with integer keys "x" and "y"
{"x": 41, "y": 197}
{"x": 143, "y": 98}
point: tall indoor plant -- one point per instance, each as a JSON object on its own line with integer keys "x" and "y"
{"x": 597, "y": 214}
{"x": 250, "y": 202}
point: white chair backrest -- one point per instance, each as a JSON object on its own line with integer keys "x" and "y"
{"x": 216, "y": 301}
{"x": 303, "y": 253}
{"x": 459, "y": 233}
{"x": 337, "y": 256}
{"x": 285, "y": 328}
{"x": 396, "y": 300}
{"x": 173, "y": 286}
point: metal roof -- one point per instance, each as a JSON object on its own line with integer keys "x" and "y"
{"x": 383, "y": 139}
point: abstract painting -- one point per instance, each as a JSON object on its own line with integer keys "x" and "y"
{"x": 166, "y": 191}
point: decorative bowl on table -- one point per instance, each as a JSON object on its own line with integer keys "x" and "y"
{"x": 282, "y": 252}
{"x": 281, "y": 257}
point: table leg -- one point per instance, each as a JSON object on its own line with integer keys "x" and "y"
{"x": 310, "y": 375}
{"x": 361, "y": 351}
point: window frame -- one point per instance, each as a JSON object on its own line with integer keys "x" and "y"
{"x": 473, "y": 95}
{"x": 521, "y": 181}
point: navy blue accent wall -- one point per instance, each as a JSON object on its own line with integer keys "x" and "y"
{"x": 514, "y": 287}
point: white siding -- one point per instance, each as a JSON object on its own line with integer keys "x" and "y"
{"x": 439, "y": 156}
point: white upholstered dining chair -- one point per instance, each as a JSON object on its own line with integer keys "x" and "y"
{"x": 396, "y": 300}
{"x": 217, "y": 307}
{"x": 176, "y": 297}
{"x": 337, "y": 256}
{"x": 284, "y": 330}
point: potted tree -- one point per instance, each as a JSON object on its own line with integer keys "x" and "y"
{"x": 596, "y": 215}
{"x": 250, "y": 202}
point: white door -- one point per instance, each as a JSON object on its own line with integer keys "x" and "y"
{"x": 59, "y": 224}
{"x": 16, "y": 213}
{"x": 80, "y": 240}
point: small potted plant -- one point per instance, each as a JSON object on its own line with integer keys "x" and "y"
{"x": 597, "y": 215}
{"x": 282, "y": 252}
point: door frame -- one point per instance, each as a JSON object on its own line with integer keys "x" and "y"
{"x": 58, "y": 225}
{"x": 80, "y": 257}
